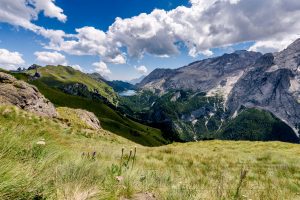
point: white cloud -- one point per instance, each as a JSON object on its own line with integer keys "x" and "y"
{"x": 88, "y": 41}
{"x": 101, "y": 68}
{"x": 208, "y": 24}
{"x": 116, "y": 59}
{"x": 273, "y": 44}
{"x": 10, "y": 60}
{"x": 194, "y": 53}
{"x": 204, "y": 25}
{"x": 77, "y": 67}
{"x": 144, "y": 34}
{"x": 142, "y": 69}
{"x": 55, "y": 36}
{"x": 17, "y": 13}
{"x": 50, "y": 58}
{"x": 23, "y": 12}
{"x": 49, "y": 9}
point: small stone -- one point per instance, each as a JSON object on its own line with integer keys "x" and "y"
{"x": 119, "y": 178}
{"x": 41, "y": 142}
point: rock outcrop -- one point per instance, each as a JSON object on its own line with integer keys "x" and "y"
{"x": 82, "y": 90}
{"x": 79, "y": 118}
{"x": 25, "y": 96}
{"x": 88, "y": 118}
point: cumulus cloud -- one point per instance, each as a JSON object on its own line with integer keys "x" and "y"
{"x": 101, "y": 68}
{"x": 23, "y": 12}
{"x": 88, "y": 41}
{"x": 77, "y": 67}
{"x": 50, "y": 58}
{"x": 273, "y": 44}
{"x": 142, "y": 69}
{"x": 49, "y": 9}
{"x": 10, "y": 60}
{"x": 201, "y": 26}
{"x": 206, "y": 24}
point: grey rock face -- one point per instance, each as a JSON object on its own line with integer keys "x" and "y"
{"x": 79, "y": 89}
{"x": 203, "y": 75}
{"x": 25, "y": 96}
{"x": 156, "y": 80}
{"x": 88, "y": 118}
{"x": 272, "y": 84}
{"x": 97, "y": 77}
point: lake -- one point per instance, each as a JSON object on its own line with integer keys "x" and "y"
{"x": 127, "y": 93}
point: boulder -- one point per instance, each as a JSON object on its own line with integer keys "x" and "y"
{"x": 88, "y": 118}
{"x": 25, "y": 96}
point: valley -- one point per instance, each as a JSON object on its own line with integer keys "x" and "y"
{"x": 66, "y": 134}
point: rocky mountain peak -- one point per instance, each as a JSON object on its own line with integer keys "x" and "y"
{"x": 247, "y": 54}
{"x": 289, "y": 57}
{"x": 295, "y": 45}
{"x": 203, "y": 75}
{"x": 156, "y": 79}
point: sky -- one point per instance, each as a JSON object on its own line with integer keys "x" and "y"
{"x": 125, "y": 39}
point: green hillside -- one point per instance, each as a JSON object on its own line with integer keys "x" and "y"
{"x": 56, "y": 76}
{"x": 110, "y": 119}
{"x": 194, "y": 116}
{"x": 186, "y": 113}
{"x": 257, "y": 125}
{"x": 48, "y": 159}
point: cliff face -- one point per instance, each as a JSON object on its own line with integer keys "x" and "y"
{"x": 272, "y": 84}
{"x": 156, "y": 80}
{"x": 25, "y": 96}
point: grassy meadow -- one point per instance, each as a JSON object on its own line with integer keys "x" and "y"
{"x": 41, "y": 158}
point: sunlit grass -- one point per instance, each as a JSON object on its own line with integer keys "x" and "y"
{"x": 66, "y": 167}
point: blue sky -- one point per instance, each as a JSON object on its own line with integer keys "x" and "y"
{"x": 171, "y": 34}
{"x": 95, "y": 13}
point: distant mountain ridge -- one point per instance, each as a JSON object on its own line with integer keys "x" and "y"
{"x": 243, "y": 80}
{"x": 202, "y": 75}
{"x": 117, "y": 85}
{"x": 136, "y": 80}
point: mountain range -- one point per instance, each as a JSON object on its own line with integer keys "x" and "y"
{"x": 243, "y": 95}
{"x": 239, "y": 81}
